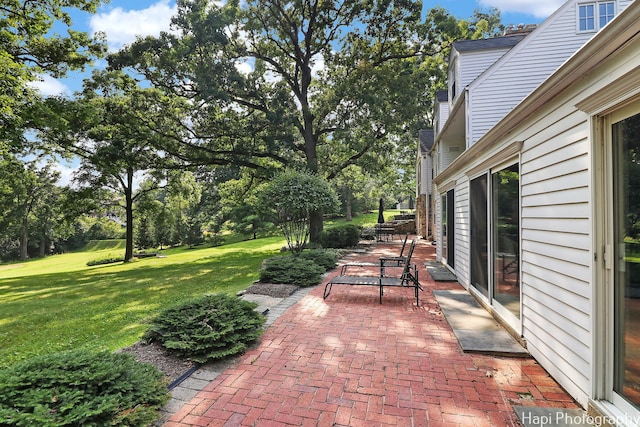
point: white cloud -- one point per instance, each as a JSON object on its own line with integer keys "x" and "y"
{"x": 537, "y": 8}
{"x": 317, "y": 64}
{"x": 48, "y": 86}
{"x": 244, "y": 67}
{"x": 66, "y": 171}
{"x": 122, "y": 26}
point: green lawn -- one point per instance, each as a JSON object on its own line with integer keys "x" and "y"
{"x": 365, "y": 220}
{"x": 58, "y": 303}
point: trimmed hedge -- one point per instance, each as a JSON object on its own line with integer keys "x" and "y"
{"x": 325, "y": 258}
{"x": 290, "y": 269}
{"x": 342, "y": 236}
{"x": 81, "y": 388}
{"x": 106, "y": 260}
{"x": 207, "y": 328}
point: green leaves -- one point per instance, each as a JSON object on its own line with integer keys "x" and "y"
{"x": 208, "y": 328}
{"x": 294, "y": 195}
{"x": 27, "y": 49}
{"x": 291, "y": 269}
{"x": 81, "y": 388}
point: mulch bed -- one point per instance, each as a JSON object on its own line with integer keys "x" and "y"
{"x": 275, "y": 290}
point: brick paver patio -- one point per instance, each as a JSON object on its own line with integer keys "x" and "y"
{"x": 349, "y": 361}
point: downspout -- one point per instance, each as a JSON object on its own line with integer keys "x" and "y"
{"x": 467, "y": 119}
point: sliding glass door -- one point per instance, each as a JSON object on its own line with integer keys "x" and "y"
{"x": 448, "y": 228}
{"x": 626, "y": 243}
{"x": 443, "y": 228}
{"x": 505, "y": 208}
{"x": 447, "y": 231}
{"x": 479, "y": 235}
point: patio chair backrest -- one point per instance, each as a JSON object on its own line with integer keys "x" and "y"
{"x": 406, "y": 271}
{"x": 404, "y": 244}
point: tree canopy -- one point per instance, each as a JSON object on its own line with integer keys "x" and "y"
{"x": 116, "y": 138}
{"x": 247, "y": 88}
{"x": 29, "y": 48}
{"x": 278, "y": 83}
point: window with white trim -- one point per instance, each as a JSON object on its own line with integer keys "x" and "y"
{"x": 606, "y": 12}
{"x": 593, "y": 16}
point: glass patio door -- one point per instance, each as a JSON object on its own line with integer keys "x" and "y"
{"x": 448, "y": 231}
{"x": 625, "y": 138}
{"x": 451, "y": 231}
{"x": 505, "y": 189}
{"x": 480, "y": 235}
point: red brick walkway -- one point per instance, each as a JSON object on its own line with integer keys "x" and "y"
{"x": 349, "y": 361}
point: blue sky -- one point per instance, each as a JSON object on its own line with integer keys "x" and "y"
{"x": 122, "y": 20}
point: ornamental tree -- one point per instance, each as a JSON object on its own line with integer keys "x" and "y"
{"x": 294, "y": 195}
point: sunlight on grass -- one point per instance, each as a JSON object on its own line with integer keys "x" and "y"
{"x": 364, "y": 220}
{"x": 58, "y": 303}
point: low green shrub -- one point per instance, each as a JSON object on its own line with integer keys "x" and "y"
{"x": 368, "y": 233}
{"x": 145, "y": 254}
{"x": 342, "y": 236}
{"x": 109, "y": 259}
{"x": 207, "y": 328}
{"x": 290, "y": 269}
{"x": 81, "y": 388}
{"x": 325, "y": 258}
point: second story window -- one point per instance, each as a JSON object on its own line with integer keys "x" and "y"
{"x": 606, "y": 12}
{"x": 587, "y": 17}
{"x": 593, "y": 16}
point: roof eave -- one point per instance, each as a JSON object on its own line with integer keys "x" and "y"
{"x": 458, "y": 108}
{"x": 620, "y": 31}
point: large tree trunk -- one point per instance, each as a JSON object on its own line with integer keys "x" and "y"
{"x": 128, "y": 193}
{"x": 42, "y": 248}
{"x": 24, "y": 239}
{"x": 316, "y": 224}
{"x": 347, "y": 198}
{"x": 316, "y": 219}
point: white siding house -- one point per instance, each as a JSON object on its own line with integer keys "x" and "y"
{"x": 424, "y": 180}
{"x": 502, "y": 86}
{"x": 543, "y": 204}
{"x": 441, "y": 110}
{"x": 423, "y": 162}
{"x": 470, "y": 58}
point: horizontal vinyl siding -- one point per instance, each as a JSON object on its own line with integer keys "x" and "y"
{"x": 557, "y": 246}
{"x": 530, "y": 63}
{"x": 429, "y": 180}
{"x": 564, "y": 225}
{"x": 448, "y": 155}
{"x": 463, "y": 236}
{"x": 474, "y": 63}
{"x": 563, "y": 360}
{"x": 622, "y": 4}
{"x": 443, "y": 115}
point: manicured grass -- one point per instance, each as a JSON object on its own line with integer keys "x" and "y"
{"x": 58, "y": 303}
{"x": 365, "y": 220}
